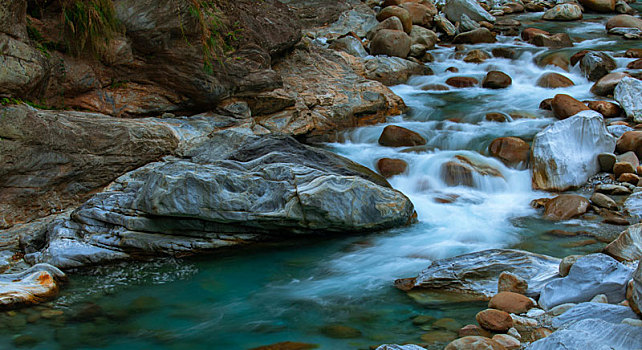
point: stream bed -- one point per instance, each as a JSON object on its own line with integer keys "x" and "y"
{"x": 339, "y": 293}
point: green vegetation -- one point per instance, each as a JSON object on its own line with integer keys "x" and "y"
{"x": 216, "y": 39}
{"x": 88, "y": 25}
{"x": 39, "y": 41}
{"x": 8, "y": 101}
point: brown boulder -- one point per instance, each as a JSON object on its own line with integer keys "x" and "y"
{"x": 630, "y": 141}
{"x": 497, "y": 117}
{"x": 605, "y": 108}
{"x": 553, "y": 41}
{"x": 396, "y": 11}
{"x": 565, "y": 207}
{"x": 510, "y": 150}
{"x": 546, "y": 104}
{"x": 509, "y": 282}
{"x": 434, "y": 87}
{"x": 391, "y": 43}
{"x": 628, "y": 245}
{"x": 420, "y": 14}
{"x": 476, "y": 36}
{"x": 511, "y": 302}
{"x": 606, "y": 84}
{"x": 473, "y": 330}
{"x": 578, "y": 57}
{"x": 396, "y": 136}
{"x": 631, "y": 178}
{"x": 529, "y": 33}
{"x": 625, "y": 21}
{"x": 633, "y": 53}
{"x": 503, "y": 52}
{"x": 565, "y": 106}
{"x": 554, "y": 81}
{"x": 462, "y": 82}
{"x": 474, "y": 343}
{"x": 389, "y": 167}
{"x": 476, "y": 56}
{"x": 494, "y": 320}
{"x": 496, "y": 80}
{"x": 558, "y": 59}
{"x": 604, "y": 6}
{"x": 637, "y": 64}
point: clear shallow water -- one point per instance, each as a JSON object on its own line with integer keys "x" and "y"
{"x": 309, "y": 291}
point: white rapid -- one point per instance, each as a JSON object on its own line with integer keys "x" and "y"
{"x": 452, "y": 220}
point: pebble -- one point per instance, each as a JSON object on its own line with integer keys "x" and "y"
{"x": 560, "y": 309}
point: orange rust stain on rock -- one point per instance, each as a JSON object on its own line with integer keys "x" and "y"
{"x": 44, "y": 278}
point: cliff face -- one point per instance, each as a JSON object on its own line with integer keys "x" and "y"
{"x": 157, "y": 65}
{"x": 265, "y": 78}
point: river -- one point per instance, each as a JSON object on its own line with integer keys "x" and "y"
{"x": 339, "y": 293}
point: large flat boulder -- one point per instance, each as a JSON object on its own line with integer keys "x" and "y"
{"x": 564, "y": 155}
{"x": 605, "y": 312}
{"x": 266, "y": 188}
{"x": 476, "y": 274}
{"x": 51, "y": 160}
{"x": 592, "y": 334}
{"x": 589, "y": 276}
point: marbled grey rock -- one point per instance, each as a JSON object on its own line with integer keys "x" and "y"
{"x": 590, "y": 275}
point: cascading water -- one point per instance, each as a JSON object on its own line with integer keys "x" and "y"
{"x": 321, "y": 291}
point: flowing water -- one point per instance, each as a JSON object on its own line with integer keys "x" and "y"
{"x": 339, "y": 294}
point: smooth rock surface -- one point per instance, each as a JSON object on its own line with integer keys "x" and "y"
{"x": 35, "y": 285}
{"x": 591, "y": 334}
{"x": 454, "y": 9}
{"x": 563, "y": 12}
{"x": 590, "y": 275}
{"x": 633, "y": 206}
{"x": 628, "y": 245}
{"x": 476, "y": 274}
{"x": 564, "y": 155}
{"x": 627, "y": 93}
{"x": 635, "y": 297}
{"x": 606, "y": 312}
{"x": 263, "y": 188}
{"x": 565, "y": 207}
{"x": 595, "y": 65}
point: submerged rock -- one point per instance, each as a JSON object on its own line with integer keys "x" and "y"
{"x": 475, "y": 274}
{"x": 589, "y": 276}
{"x": 554, "y": 81}
{"x": 399, "y": 347}
{"x": 231, "y": 193}
{"x": 35, "y": 285}
{"x": 564, "y": 155}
